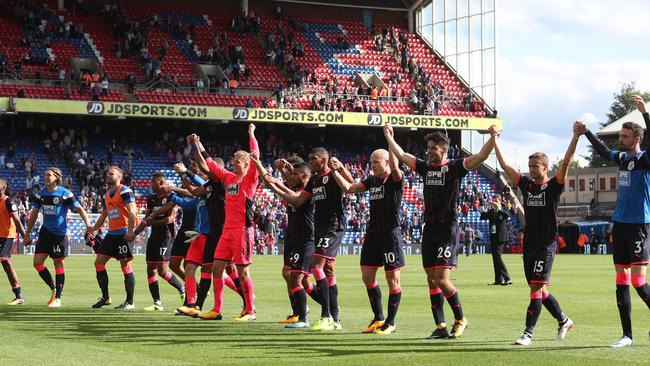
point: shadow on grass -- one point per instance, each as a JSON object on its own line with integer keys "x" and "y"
{"x": 167, "y": 330}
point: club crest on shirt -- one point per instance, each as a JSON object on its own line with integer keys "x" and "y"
{"x": 543, "y": 187}
{"x": 444, "y": 169}
{"x": 56, "y": 200}
{"x": 164, "y": 200}
{"x": 536, "y": 200}
{"x": 233, "y": 189}
{"x": 630, "y": 165}
{"x": 435, "y": 178}
{"x": 377, "y": 193}
{"x": 326, "y": 179}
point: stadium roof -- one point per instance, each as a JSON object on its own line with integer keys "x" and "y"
{"x": 614, "y": 127}
{"x": 376, "y": 4}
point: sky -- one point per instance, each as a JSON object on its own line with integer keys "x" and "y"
{"x": 559, "y": 61}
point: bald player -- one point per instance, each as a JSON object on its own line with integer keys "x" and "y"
{"x": 382, "y": 246}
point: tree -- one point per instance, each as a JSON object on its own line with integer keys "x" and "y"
{"x": 621, "y": 106}
{"x": 573, "y": 165}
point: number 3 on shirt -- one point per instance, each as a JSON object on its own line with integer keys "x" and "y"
{"x": 638, "y": 247}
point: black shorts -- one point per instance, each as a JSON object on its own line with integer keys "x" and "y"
{"x": 383, "y": 249}
{"x": 631, "y": 244}
{"x": 538, "y": 263}
{"x": 159, "y": 249}
{"x": 440, "y": 245}
{"x": 328, "y": 245}
{"x": 180, "y": 247}
{"x": 210, "y": 247}
{"x": 56, "y": 246}
{"x": 298, "y": 257}
{"x": 115, "y": 246}
{"x": 6, "y": 244}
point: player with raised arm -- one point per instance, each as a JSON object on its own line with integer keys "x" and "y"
{"x": 119, "y": 208}
{"x": 329, "y": 224}
{"x": 541, "y": 198}
{"x": 53, "y": 202}
{"x": 236, "y": 241}
{"x": 9, "y": 224}
{"x": 441, "y": 232}
{"x": 382, "y": 246}
{"x": 299, "y": 245}
{"x": 631, "y": 216}
{"x": 163, "y": 231}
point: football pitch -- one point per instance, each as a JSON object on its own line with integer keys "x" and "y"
{"x": 75, "y": 334}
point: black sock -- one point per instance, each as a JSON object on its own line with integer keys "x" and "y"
{"x": 624, "y": 304}
{"x": 47, "y": 278}
{"x": 644, "y": 293}
{"x": 154, "y": 289}
{"x": 454, "y": 302}
{"x": 532, "y": 314}
{"x": 16, "y": 291}
{"x": 393, "y": 305}
{"x": 553, "y": 307}
{"x": 202, "y": 291}
{"x": 102, "y": 281}
{"x": 374, "y": 296}
{"x": 334, "y": 302}
{"x": 315, "y": 295}
{"x": 129, "y": 286}
{"x": 176, "y": 284}
{"x": 300, "y": 302}
{"x": 323, "y": 290}
{"x": 437, "y": 301}
{"x": 60, "y": 281}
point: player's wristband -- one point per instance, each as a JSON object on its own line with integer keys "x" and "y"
{"x": 205, "y": 154}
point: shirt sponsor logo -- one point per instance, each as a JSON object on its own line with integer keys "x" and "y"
{"x": 623, "y": 178}
{"x": 435, "y": 178}
{"x": 319, "y": 193}
{"x": 233, "y": 189}
{"x": 536, "y": 200}
{"x": 377, "y": 193}
{"x": 49, "y": 210}
{"x": 114, "y": 214}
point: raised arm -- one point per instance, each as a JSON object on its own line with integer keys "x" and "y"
{"x": 405, "y": 158}
{"x": 640, "y": 105}
{"x": 254, "y": 149}
{"x": 570, "y": 151}
{"x": 346, "y": 186}
{"x": 285, "y": 168}
{"x": 395, "y": 171}
{"x": 603, "y": 150}
{"x": 295, "y": 199}
{"x": 336, "y": 165}
{"x": 510, "y": 171}
{"x": 473, "y": 161}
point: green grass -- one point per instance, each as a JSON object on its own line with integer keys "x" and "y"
{"x": 77, "y": 334}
